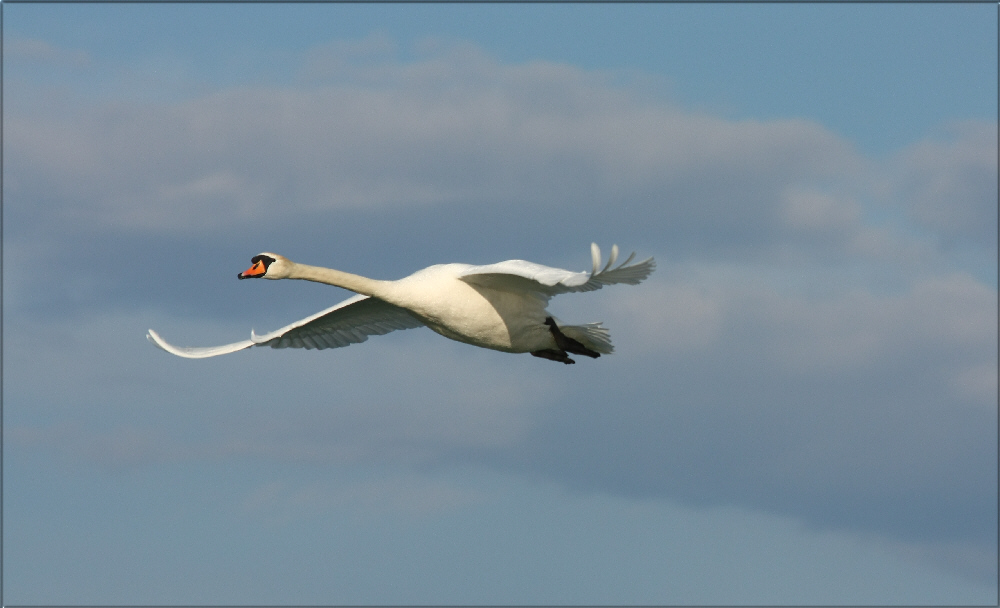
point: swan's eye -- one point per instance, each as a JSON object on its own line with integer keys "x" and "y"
{"x": 262, "y": 259}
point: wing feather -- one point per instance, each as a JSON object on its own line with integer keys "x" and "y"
{"x": 349, "y": 322}
{"x": 196, "y": 352}
{"x": 528, "y": 276}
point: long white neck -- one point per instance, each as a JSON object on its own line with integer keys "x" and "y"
{"x": 353, "y": 282}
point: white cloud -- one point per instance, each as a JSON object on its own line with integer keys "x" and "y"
{"x": 813, "y": 211}
{"x": 674, "y": 318}
{"x": 946, "y": 323}
{"x": 454, "y": 127}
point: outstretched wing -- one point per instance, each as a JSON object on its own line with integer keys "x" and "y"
{"x": 519, "y": 274}
{"x": 349, "y": 322}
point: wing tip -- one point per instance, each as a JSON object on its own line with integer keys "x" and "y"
{"x": 195, "y": 353}
{"x": 595, "y": 257}
{"x": 155, "y": 338}
{"x": 162, "y": 344}
{"x": 624, "y": 273}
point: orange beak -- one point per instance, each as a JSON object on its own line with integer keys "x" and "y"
{"x": 257, "y": 270}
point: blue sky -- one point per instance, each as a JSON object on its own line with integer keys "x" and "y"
{"x": 802, "y": 403}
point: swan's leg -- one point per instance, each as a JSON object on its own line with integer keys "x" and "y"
{"x": 553, "y": 355}
{"x": 568, "y": 344}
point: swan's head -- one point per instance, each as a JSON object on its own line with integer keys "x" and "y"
{"x": 267, "y": 266}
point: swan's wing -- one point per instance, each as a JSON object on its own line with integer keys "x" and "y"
{"x": 349, "y": 322}
{"x": 528, "y": 276}
{"x": 196, "y": 352}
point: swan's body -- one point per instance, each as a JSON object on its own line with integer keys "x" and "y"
{"x": 498, "y": 306}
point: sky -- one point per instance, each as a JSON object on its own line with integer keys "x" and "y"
{"x": 802, "y": 404}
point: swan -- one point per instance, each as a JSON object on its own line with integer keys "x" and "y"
{"x": 498, "y": 306}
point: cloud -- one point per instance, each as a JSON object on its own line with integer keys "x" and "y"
{"x": 950, "y": 183}
{"x": 452, "y": 132}
{"x": 452, "y": 136}
{"x": 818, "y": 212}
{"x": 454, "y": 128}
{"x": 412, "y": 399}
{"x": 858, "y": 410}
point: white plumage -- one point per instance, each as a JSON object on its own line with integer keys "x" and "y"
{"x": 499, "y": 306}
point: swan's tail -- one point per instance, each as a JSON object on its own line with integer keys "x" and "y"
{"x": 591, "y": 335}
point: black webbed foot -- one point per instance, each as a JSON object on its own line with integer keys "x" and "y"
{"x": 568, "y": 344}
{"x": 553, "y": 355}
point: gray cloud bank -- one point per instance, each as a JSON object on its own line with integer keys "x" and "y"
{"x": 815, "y": 343}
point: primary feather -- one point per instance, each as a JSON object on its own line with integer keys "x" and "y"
{"x": 553, "y": 281}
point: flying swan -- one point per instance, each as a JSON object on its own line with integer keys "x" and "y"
{"x": 499, "y": 306}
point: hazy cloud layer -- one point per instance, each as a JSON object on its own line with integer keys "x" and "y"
{"x": 456, "y": 128}
{"x": 950, "y": 183}
{"x": 810, "y": 346}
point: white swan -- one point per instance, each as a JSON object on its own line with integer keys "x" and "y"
{"x": 499, "y": 306}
